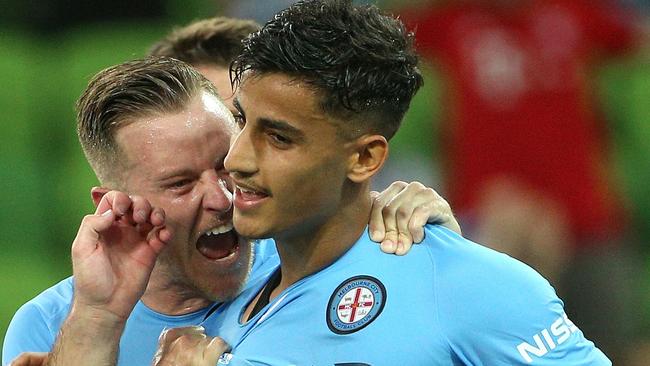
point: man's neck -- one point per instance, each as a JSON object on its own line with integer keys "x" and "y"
{"x": 170, "y": 298}
{"x": 311, "y": 251}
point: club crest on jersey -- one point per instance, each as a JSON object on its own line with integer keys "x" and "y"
{"x": 355, "y": 303}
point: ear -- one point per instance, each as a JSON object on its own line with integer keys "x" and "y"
{"x": 97, "y": 193}
{"x": 370, "y": 153}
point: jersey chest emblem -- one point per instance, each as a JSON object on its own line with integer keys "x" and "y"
{"x": 355, "y": 303}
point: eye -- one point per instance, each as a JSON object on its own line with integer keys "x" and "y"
{"x": 239, "y": 119}
{"x": 179, "y": 184}
{"x": 279, "y": 139}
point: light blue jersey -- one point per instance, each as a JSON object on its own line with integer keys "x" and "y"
{"x": 36, "y": 324}
{"x": 448, "y": 302}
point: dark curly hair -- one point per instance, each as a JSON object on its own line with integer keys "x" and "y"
{"x": 360, "y": 61}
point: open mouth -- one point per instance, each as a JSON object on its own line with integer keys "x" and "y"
{"x": 247, "y": 197}
{"x": 218, "y": 243}
{"x": 248, "y": 194}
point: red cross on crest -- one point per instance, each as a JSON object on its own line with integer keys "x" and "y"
{"x": 350, "y": 310}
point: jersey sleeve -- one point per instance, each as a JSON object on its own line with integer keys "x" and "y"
{"x": 496, "y": 310}
{"x": 27, "y": 332}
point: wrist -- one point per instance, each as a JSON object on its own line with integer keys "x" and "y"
{"x": 89, "y": 336}
{"x": 95, "y": 322}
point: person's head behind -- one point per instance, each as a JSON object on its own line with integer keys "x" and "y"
{"x": 210, "y": 45}
{"x": 213, "y": 41}
{"x": 360, "y": 61}
{"x": 321, "y": 88}
{"x": 123, "y": 93}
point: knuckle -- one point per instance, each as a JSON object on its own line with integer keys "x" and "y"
{"x": 402, "y": 212}
{"x": 388, "y": 210}
{"x": 391, "y": 235}
{"x": 182, "y": 342}
{"x": 432, "y": 192}
{"x": 428, "y": 208}
{"x": 413, "y": 226}
{"x": 405, "y": 237}
{"x": 381, "y": 201}
{"x": 417, "y": 186}
{"x": 399, "y": 184}
{"x": 87, "y": 219}
{"x": 218, "y": 344}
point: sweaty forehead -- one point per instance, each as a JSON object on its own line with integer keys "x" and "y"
{"x": 220, "y": 78}
{"x": 199, "y": 134}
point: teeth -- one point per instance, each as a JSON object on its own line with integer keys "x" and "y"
{"x": 246, "y": 190}
{"x": 220, "y": 229}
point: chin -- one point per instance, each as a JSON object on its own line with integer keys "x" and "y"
{"x": 227, "y": 286}
{"x": 252, "y": 226}
{"x": 251, "y": 232}
{"x": 227, "y": 289}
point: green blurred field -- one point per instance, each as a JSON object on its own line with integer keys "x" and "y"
{"x": 44, "y": 178}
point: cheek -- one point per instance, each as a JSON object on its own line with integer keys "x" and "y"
{"x": 314, "y": 186}
{"x": 181, "y": 213}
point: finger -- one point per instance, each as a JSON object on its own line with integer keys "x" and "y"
{"x": 89, "y": 231}
{"x": 441, "y": 214}
{"x": 158, "y": 238}
{"x": 141, "y": 209}
{"x": 117, "y": 201}
{"x": 406, "y": 202}
{"x": 417, "y": 222}
{"x": 404, "y": 244}
{"x": 170, "y": 334}
{"x": 427, "y": 208}
{"x": 159, "y": 235}
{"x": 214, "y": 349}
{"x": 389, "y": 244}
{"x": 404, "y": 239}
{"x": 165, "y": 234}
{"x": 154, "y": 222}
{"x": 396, "y": 218}
{"x": 157, "y": 217}
{"x": 167, "y": 338}
{"x": 377, "y": 225}
{"x": 121, "y": 205}
{"x": 187, "y": 349}
{"x": 30, "y": 359}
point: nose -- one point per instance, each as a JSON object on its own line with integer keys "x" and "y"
{"x": 217, "y": 197}
{"x": 240, "y": 160}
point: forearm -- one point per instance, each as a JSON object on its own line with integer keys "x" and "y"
{"x": 87, "y": 337}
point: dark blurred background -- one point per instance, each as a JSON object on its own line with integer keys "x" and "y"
{"x": 50, "y": 48}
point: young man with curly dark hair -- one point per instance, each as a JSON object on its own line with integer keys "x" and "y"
{"x": 322, "y": 88}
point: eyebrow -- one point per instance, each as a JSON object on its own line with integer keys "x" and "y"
{"x": 282, "y": 126}
{"x": 273, "y": 124}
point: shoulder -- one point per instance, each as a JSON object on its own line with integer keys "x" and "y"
{"x": 54, "y": 300}
{"x": 459, "y": 258}
{"x": 492, "y": 306}
{"x": 471, "y": 274}
{"x": 36, "y": 323}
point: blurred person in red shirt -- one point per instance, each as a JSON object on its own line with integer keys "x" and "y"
{"x": 525, "y": 147}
